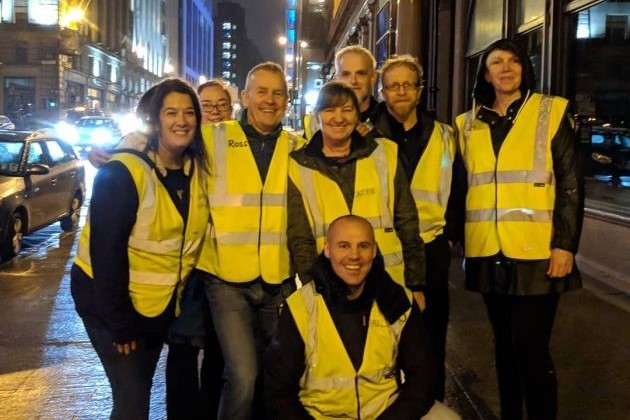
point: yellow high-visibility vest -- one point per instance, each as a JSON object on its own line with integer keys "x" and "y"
{"x": 311, "y": 126}
{"x": 373, "y": 200}
{"x": 510, "y": 201}
{"x": 330, "y": 387}
{"x": 431, "y": 181}
{"x": 162, "y": 249}
{"x": 247, "y": 236}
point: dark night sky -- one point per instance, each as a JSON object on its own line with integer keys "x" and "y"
{"x": 265, "y": 23}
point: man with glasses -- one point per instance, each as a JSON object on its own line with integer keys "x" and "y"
{"x": 356, "y": 66}
{"x": 426, "y": 149}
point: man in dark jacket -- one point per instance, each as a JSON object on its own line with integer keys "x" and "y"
{"x": 427, "y": 151}
{"x": 351, "y": 323}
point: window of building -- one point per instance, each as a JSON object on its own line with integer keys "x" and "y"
{"x": 226, "y": 45}
{"x": 21, "y": 10}
{"x": 226, "y": 25}
{"x": 43, "y": 12}
{"x": 21, "y": 54}
{"x": 533, "y": 41}
{"x": 529, "y": 10}
{"x": 382, "y": 34}
{"x": 226, "y": 74}
{"x": 597, "y": 68}
{"x": 95, "y": 66}
{"x": 226, "y": 54}
{"x": 486, "y": 25}
{"x": 6, "y": 8}
{"x": 19, "y": 95}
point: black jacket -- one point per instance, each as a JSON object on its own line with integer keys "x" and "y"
{"x": 411, "y": 145}
{"x": 284, "y": 362}
{"x": 301, "y": 242}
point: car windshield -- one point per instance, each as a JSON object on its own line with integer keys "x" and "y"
{"x": 10, "y": 153}
{"x": 95, "y": 123}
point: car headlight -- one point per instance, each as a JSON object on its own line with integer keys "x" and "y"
{"x": 67, "y": 132}
{"x": 101, "y": 136}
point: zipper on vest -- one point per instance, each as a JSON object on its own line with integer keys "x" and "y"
{"x": 356, "y": 391}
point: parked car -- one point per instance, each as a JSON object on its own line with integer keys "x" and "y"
{"x": 92, "y": 131}
{"x": 610, "y": 149}
{"x": 41, "y": 181}
{"x": 6, "y": 123}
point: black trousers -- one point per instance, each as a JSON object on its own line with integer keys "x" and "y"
{"x": 438, "y": 260}
{"x": 193, "y": 393}
{"x": 522, "y": 330}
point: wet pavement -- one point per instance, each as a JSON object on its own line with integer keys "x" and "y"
{"x": 48, "y": 369}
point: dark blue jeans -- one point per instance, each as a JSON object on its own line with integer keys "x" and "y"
{"x": 130, "y": 376}
{"x": 245, "y": 317}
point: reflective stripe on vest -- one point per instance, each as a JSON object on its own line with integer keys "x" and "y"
{"x": 247, "y": 238}
{"x": 510, "y": 206}
{"x": 383, "y": 222}
{"x": 336, "y": 394}
{"x": 160, "y": 252}
{"x": 431, "y": 201}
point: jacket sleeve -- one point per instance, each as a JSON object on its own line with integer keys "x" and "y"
{"x": 568, "y": 209}
{"x": 455, "y": 209}
{"x": 113, "y": 211}
{"x": 300, "y": 240}
{"x": 408, "y": 229}
{"x": 283, "y": 366}
{"x": 416, "y": 359}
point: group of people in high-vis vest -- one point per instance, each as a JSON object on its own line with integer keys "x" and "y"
{"x": 211, "y": 227}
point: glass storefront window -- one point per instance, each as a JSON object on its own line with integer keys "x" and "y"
{"x": 597, "y": 68}
{"x": 486, "y": 25}
{"x": 533, "y": 42}
{"x": 529, "y": 10}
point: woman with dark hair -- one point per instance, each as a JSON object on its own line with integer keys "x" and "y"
{"x": 524, "y": 210}
{"x": 148, "y": 215}
{"x": 340, "y": 172}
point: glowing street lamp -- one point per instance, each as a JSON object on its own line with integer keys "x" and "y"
{"x": 282, "y": 40}
{"x": 72, "y": 18}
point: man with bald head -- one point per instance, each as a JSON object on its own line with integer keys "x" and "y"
{"x": 341, "y": 346}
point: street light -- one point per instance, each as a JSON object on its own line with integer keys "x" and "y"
{"x": 72, "y": 18}
{"x": 282, "y": 40}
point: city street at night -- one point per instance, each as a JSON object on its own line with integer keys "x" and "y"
{"x": 48, "y": 369}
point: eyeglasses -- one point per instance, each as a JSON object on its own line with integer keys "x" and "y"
{"x": 221, "y": 106}
{"x": 395, "y": 87}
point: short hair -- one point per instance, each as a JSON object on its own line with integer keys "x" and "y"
{"x": 483, "y": 91}
{"x": 215, "y": 83}
{"x": 357, "y": 49}
{"x": 160, "y": 91}
{"x": 352, "y": 218}
{"x": 271, "y": 67}
{"x": 404, "y": 60}
{"x": 335, "y": 93}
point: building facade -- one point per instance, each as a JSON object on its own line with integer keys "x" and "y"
{"x": 196, "y": 40}
{"x": 234, "y": 53}
{"x": 60, "y": 55}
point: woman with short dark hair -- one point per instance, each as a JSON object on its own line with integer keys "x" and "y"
{"x": 524, "y": 210}
{"x": 341, "y": 172}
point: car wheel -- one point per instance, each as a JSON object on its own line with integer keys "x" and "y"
{"x": 13, "y": 243}
{"x": 71, "y": 221}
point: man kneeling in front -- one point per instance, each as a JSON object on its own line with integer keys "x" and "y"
{"x": 352, "y": 344}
